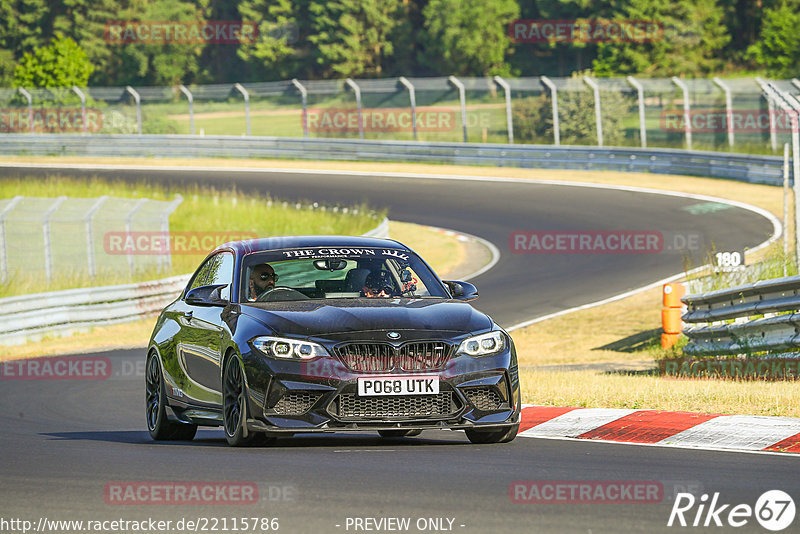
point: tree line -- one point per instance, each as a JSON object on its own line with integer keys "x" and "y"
{"x": 44, "y": 43}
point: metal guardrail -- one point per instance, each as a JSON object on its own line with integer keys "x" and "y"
{"x": 760, "y": 317}
{"x": 747, "y": 168}
{"x": 27, "y": 317}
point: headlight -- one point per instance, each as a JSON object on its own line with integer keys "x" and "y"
{"x": 484, "y": 344}
{"x": 290, "y": 349}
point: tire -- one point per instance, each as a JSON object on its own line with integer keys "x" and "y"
{"x": 234, "y": 407}
{"x": 495, "y": 435}
{"x": 158, "y": 424}
{"x": 392, "y": 434}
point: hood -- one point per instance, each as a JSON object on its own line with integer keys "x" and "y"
{"x": 327, "y": 318}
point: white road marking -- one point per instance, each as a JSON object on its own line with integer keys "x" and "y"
{"x": 748, "y": 432}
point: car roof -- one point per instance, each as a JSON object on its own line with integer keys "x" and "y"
{"x": 247, "y": 246}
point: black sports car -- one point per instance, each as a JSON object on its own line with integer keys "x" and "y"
{"x": 327, "y": 334}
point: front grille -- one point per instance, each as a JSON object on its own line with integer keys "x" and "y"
{"x": 484, "y": 398}
{"x": 382, "y": 357}
{"x": 295, "y": 403}
{"x": 351, "y": 406}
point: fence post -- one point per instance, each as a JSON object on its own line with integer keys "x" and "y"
{"x": 598, "y": 115}
{"x": 3, "y": 248}
{"x": 48, "y": 249}
{"x": 554, "y": 95}
{"x": 773, "y": 134}
{"x": 462, "y": 96}
{"x": 304, "y": 97}
{"x": 138, "y": 101}
{"x": 239, "y": 87}
{"x": 165, "y": 229}
{"x": 509, "y": 118}
{"x": 190, "y": 98}
{"x": 357, "y": 90}
{"x": 29, "y": 98}
{"x": 412, "y": 96}
{"x": 728, "y": 109}
{"x": 687, "y": 111}
{"x": 640, "y": 98}
{"x": 129, "y": 228}
{"x": 83, "y": 106}
{"x": 90, "y": 234}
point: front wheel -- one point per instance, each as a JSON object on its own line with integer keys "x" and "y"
{"x": 495, "y": 435}
{"x": 234, "y": 408}
{"x": 158, "y": 424}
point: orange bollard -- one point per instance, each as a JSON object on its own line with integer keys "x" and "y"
{"x": 671, "y": 314}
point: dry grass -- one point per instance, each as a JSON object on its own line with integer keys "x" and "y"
{"x": 443, "y": 252}
{"x": 602, "y": 390}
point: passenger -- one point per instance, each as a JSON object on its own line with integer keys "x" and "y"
{"x": 262, "y": 280}
{"x": 377, "y": 284}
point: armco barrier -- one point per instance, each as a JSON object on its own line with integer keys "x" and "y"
{"x": 760, "y": 317}
{"x": 28, "y": 317}
{"x": 747, "y": 168}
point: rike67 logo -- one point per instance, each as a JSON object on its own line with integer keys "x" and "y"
{"x": 774, "y": 510}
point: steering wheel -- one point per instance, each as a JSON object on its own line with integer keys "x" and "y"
{"x": 269, "y": 295}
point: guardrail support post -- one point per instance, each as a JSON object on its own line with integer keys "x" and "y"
{"x": 412, "y": 97}
{"x": 29, "y": 98}
{"x": 687, "y": 111}
{"x": 138, "y": 100}
{"x": 165, "y": 230}
{"x": 48, "y": 246}
{"x": 83, "y": 106}
{"x": 554, "y": 96}
{"x": 728, "y": 109}
{"x": 190, "y": 98}
{"x": 3, "y": 246}
{"x": 239, "y": 87}
{"x": 462, "y": 96}
{"x": 304, "y": 98}
{"x": 671, "y": 314}
{"x": 598, "y": 115}
{"x": 90, "y": 234}
{"x": 509, "y": 117}
{"x": 785, "y": 205}
{"x": 640, "y": 100}
{"x": 357, "y": 90}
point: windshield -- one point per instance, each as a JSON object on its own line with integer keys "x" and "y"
{"x": 333, "y": 273}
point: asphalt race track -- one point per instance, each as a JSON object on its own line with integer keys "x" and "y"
{"x": 68, "y": 444}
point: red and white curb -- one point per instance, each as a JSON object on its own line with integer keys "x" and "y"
{"x": 657, "y": 427}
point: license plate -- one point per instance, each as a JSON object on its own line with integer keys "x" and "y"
{"x": 398, "y": 385}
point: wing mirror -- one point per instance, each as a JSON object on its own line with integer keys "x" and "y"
{"x": 461, "y": 290}
{"x": 207, "y": 296}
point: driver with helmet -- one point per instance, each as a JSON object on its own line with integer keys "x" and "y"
{"x": 377, "y": 284}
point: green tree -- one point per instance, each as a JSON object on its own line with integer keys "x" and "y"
{"x": 468, "y": 37}
{"x": 779, "y": 47}
{"x": 277, "y": 53}
{"x": 62, "y": 63}
{"x": 693, "y": 39}
{"x": 351, "y": 37}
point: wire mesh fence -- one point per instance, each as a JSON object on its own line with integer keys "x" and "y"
{"x": 74, "y": 238}
{"x": 705, "y": 114}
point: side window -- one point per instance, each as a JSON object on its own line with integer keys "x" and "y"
{"x": 201, "y": 275}
{"x": 221, "y": 272}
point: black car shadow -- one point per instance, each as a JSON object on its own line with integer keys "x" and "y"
{"x": 209, "y": 438}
